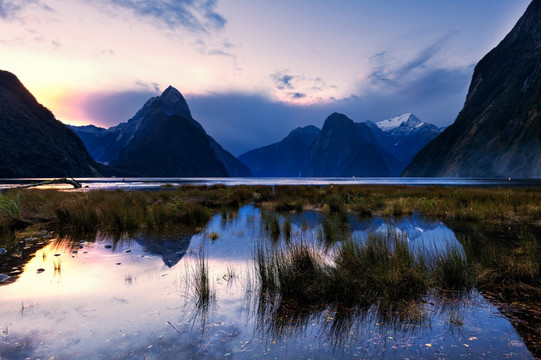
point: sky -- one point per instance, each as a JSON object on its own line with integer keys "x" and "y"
{"x": 252, "y": 70}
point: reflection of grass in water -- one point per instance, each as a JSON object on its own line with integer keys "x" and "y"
{"x": 380, "y": 279}
{"x": 271, "y": 224}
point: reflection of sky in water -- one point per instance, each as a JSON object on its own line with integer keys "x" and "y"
{"x": 125, "y": 302}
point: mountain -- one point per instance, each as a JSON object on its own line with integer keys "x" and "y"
{"x": 33, "y": 142}
{"x": 403, "y": 136}
{"x": 289, "y": 157}
{"x": 161, "y": 139}
{"x": 498, "y": 132}
{"x": 394, "y": 142}
{"x": 343, "y": 149}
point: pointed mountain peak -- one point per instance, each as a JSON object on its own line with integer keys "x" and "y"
{"x": 171, "y": 94}
{"x": 336, "y": 119}
{"x": 407, "y": 119}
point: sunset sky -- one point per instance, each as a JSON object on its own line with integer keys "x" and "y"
{"x": 252, "y": 70}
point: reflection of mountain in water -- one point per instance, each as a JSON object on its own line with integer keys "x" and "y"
{"x": 428, "y": 235}
{"x": 170, "y": 248}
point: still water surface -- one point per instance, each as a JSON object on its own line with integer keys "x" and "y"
{"x": 131, "y": 297}
{"x": 155, "y": 183}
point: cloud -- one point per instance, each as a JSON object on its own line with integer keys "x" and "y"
{"x": 12, "y": 9}
{"x": 284, "y": 81}
{"x": 111, "y": 108}
{"x": 299, "y": 87}
{"x": 192, "y": 15}
{"x": 242, "y": 122}
{"x": 392, "y": 71}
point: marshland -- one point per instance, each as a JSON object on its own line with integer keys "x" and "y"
{"x": 335, "y": 271}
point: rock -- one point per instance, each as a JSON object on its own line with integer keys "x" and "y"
{"x": 40, "y": 270}
{"x": 3, "y": 277}
{"x": 3, "y": 251}
{"x": 108, "y": 246}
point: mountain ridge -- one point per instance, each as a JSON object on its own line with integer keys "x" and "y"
{"x": 33, "y": 142}
{"x": 497, "y": 133}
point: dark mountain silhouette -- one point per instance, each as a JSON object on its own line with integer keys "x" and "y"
{"x": 342, "y": 148}
{"x": 345, "y": 146}
{"x": 33, "y": 143}
{"x": 162, "y": 139}
{"x": 498, "y": 132}
{"x": 288, "y": 157}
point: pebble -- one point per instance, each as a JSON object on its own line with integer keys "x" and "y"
{"x": 57, "y": 254}
{"x": 30, "y": 239}
{"x": 119, "y": 263}
{"x": 2, "y": 251}
{"x": 40, "y": 270}
{"x": 3, "y": 277}
{"x": 108, "y": 246}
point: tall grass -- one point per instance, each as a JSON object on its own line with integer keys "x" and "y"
{"x": 202, "y": 289}
{"x": 10, "y": 206}
{"x": 381, "y": 270}
{"x": 452, "y": 271}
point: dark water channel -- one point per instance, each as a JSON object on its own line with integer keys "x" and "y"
{"x": 132, "y": 297}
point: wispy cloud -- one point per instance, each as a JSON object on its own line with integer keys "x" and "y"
{"x": 192, "y": 15}
{"x": 12, "y": 9}
{"x": 394, "y": 71}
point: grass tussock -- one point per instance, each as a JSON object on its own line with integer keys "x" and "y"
{"x": 381, "y": 270}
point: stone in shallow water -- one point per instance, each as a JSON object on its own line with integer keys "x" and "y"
{"x": 108, "y": 246}
{"x": 40, "y": 270}
{"x": 3, "y": 277}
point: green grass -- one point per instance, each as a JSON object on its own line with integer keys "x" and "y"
{"x": 202, "y": 289}
{"x": 10, "y": 205}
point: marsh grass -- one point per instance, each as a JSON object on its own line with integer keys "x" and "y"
{"x": 203, "y": 291}
{"x": 271, "y": 224}
{"x": 380, "y": 270}
{"x": 193, "y": 205}
{"x": 452, "y": 271}
{"x": 512, "y": 271}
{"x": 10, "y": 205}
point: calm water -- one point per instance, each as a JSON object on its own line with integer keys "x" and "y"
{"x": 131, "y": 297}
{"x": 154, "y": 183}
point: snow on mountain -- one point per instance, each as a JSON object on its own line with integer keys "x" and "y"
{"x": 408, "y": 119}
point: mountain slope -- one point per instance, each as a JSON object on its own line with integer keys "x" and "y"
{"x": 185, "y": 145}
{"x": 341, "y": 149}
{"x": 33, "y": 142}
{"x": 288, "y": 157}
{"x": 169, "y": 146}
{"x": 498, "y": 132}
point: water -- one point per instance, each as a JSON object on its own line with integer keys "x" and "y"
{"x": 155, "y": 183}
{"x": 132, "y": 297}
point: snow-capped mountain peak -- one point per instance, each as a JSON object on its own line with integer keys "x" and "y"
{"x": 397, "y": 121}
